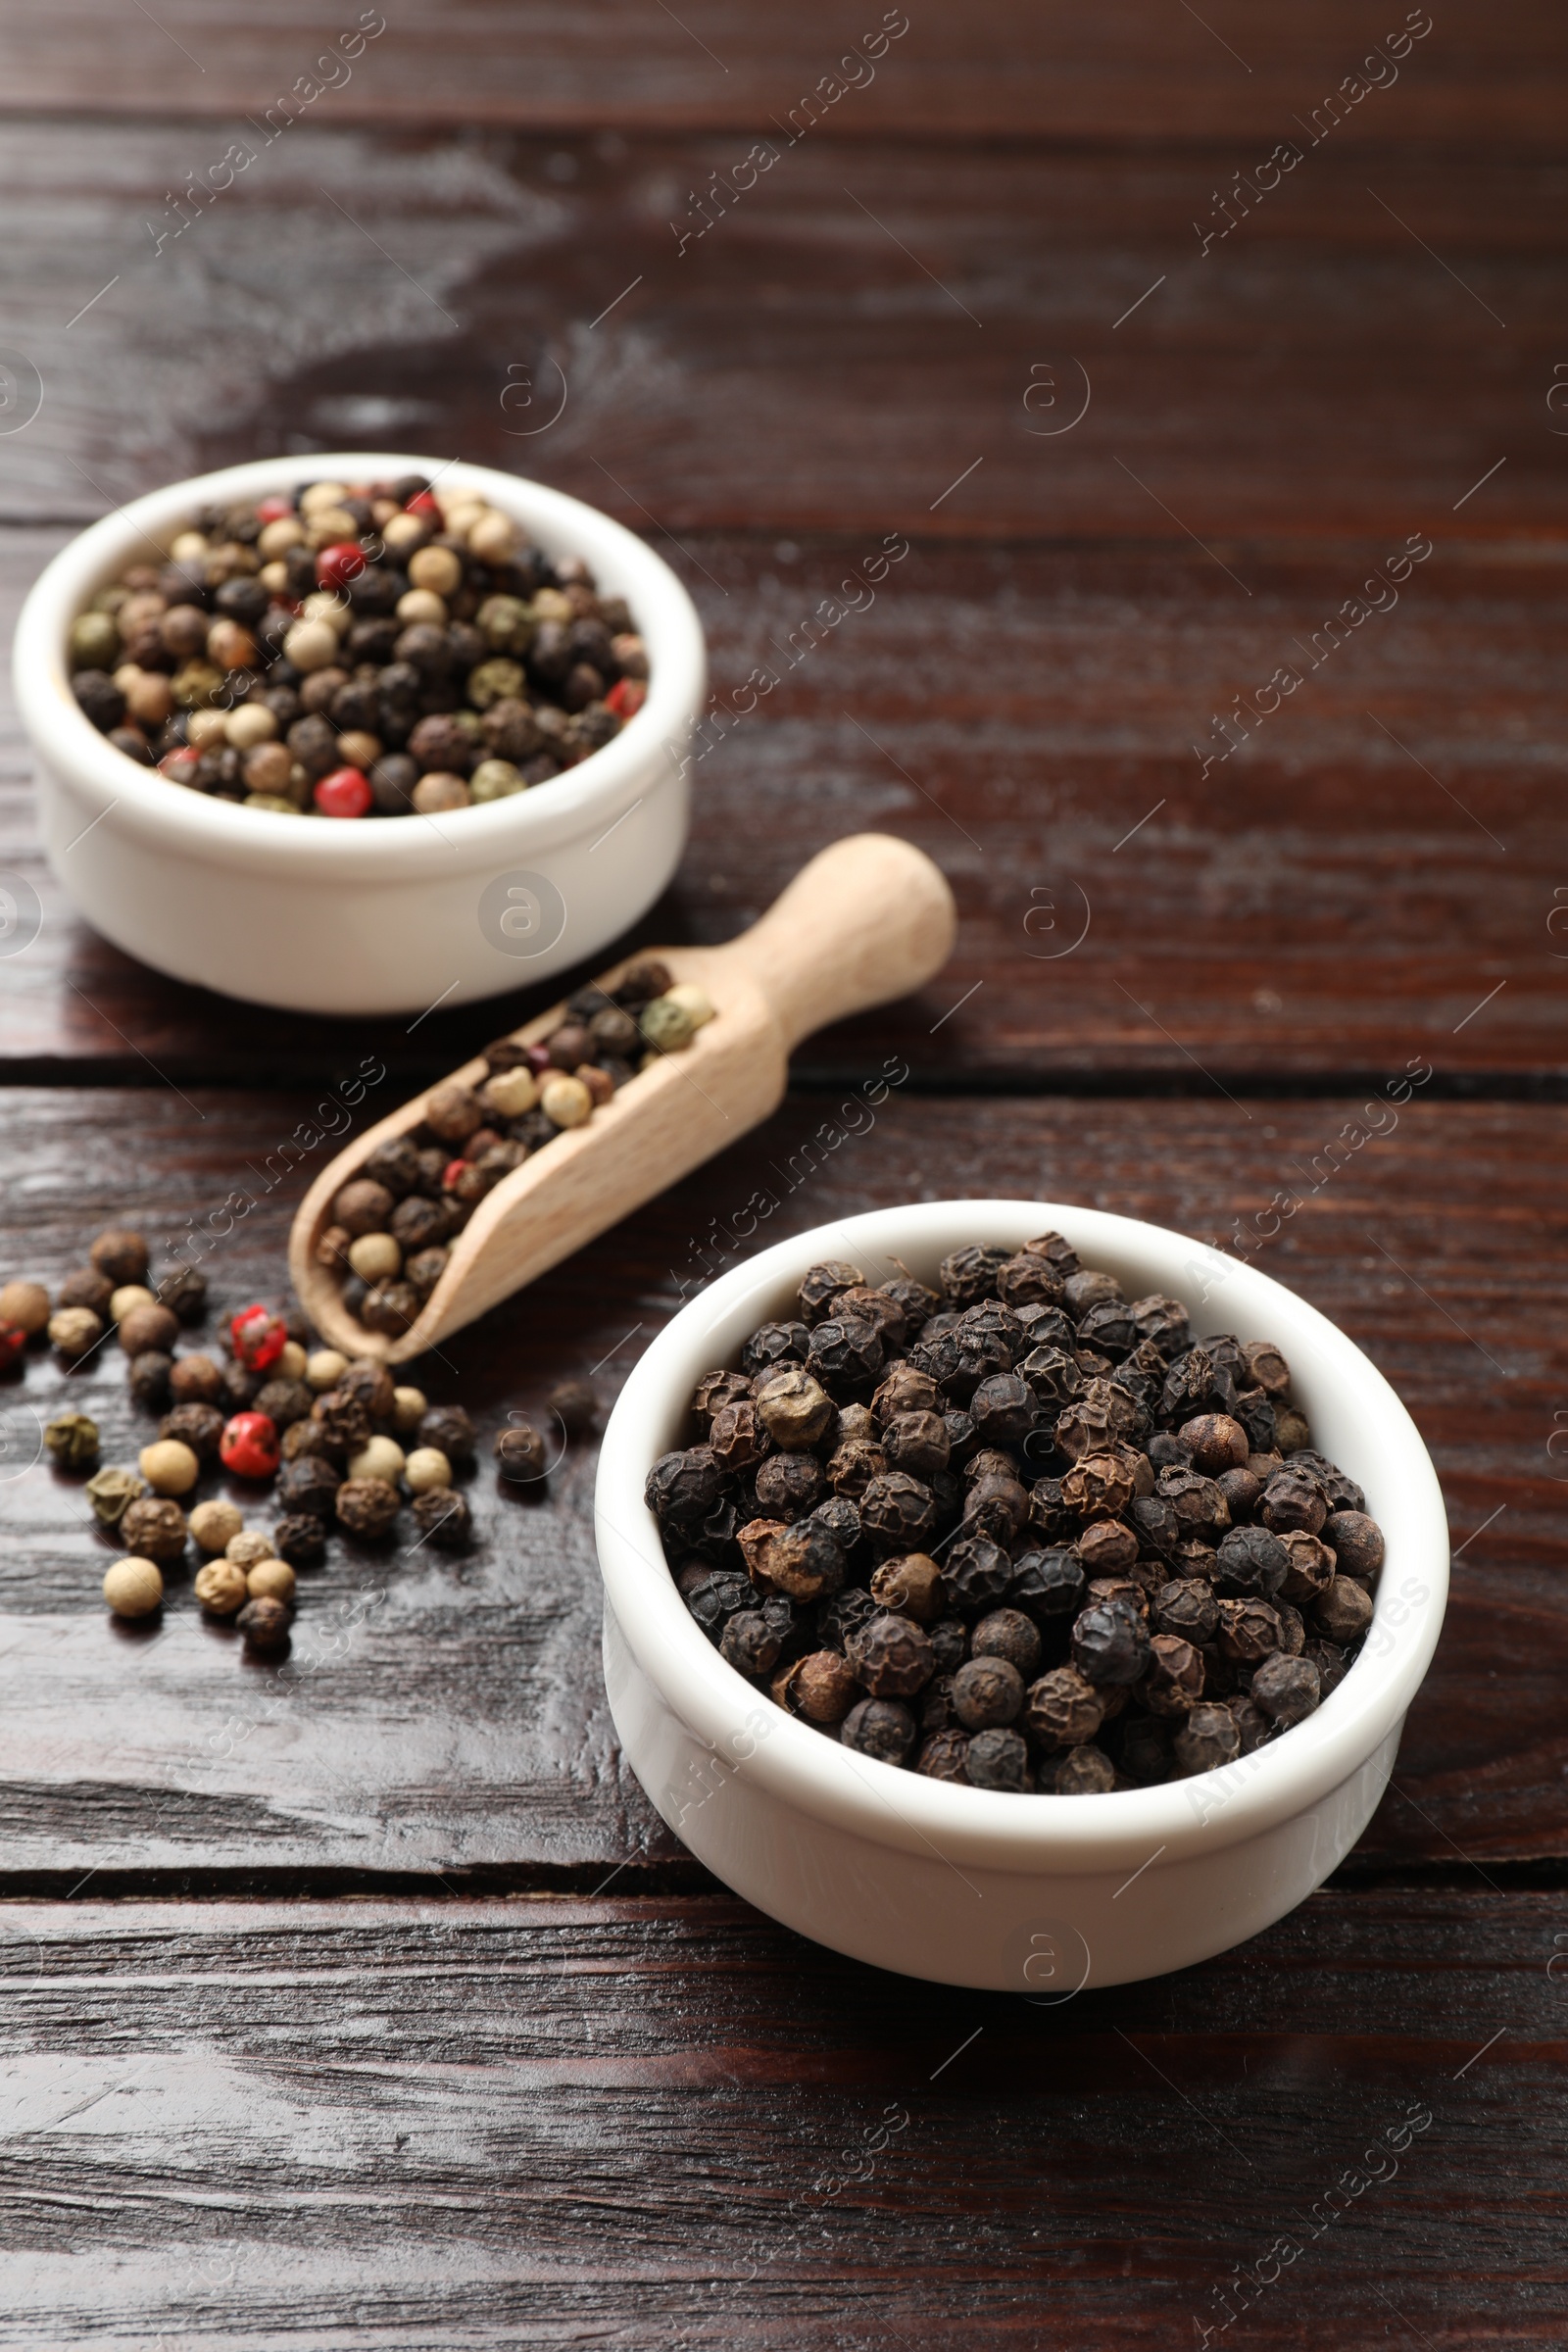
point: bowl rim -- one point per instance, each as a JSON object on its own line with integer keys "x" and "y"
{"x": 888, "y": 1804}
{"x": 226, "y": 834}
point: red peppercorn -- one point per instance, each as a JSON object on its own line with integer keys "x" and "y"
{"x": 626, "y": 697}
{"x": 13, "y": 1340}
{"x": 260, "y": 1337}
{"x": 339, "y": 563}
{"x": 449, "y": 1174}
{"x": 538, "y": 1058}
{"x": 421, "y": 503}
{"x": 274, "y": 510}
{"x": 249, "y": 1445}
{"x": 177, "y": 765}
{"x": 344, "y": 793}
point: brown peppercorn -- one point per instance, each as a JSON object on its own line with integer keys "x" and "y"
{"x": 86, "y": 1288}
{"x": 890, "y": 1656}
{"x": 265, "y": 1624}
{"x": 852, "y": 1466}
{"x": 521, "y": 1453}
{"x": 910, "y": 1586}
{"x": 196, "y": 1380}
{"x": 284, "y": 1400}
{"x": 121, "y": 1256}
{"x": 362, "y": 1207}
{"x": 443, "y": 1519}
{"x": 1098, "y": 1486}
{"x": 184, "y": 1289}
{"x": 945, "y": 1755}
{"x": 1174, "y": 1683}
{"x": 148, "y": 1328}
{"x": 198, "y": 1426}
{"x": 1266, "y": 1367}
{"x": 1105, "y": 1547}
{"x": 1356, "y": 1543}
{"x": 794, "y": 1410}
{"x": 332, "y": 1249}
{"x": 148, "y": 1379}
{"x": 819, "y": 1687}
{"x": 154, "y": 1528}
{"x": 1249, "y": 1630}
{"x": 1062, "y": 1709}
{"x": 425, "y": 1270}
{"x": 454, "y": 1113}
{"x": 300, "y": 1538}
{"x": 906, "y": 1388}
{"x": 1200, "y": 1508}
{"x": 1344, "y": 1609}
{"x": 803, "y": 1562}
{"x": 392, "y": 1307}
{"x": 737, "y": 1437}
{"x": 419, "y": 1224}
{"x": 1311, "y": 1566}
{"x": 1215, "y": 1442}
{"x": 1290, "y": 1431}
{"x": 25, "y": 1306}
{"x": 367, "y": 1506}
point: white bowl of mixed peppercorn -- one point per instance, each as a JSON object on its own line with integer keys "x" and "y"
{"x": 358, "y": 734}
{"x": 977, "y": 1605}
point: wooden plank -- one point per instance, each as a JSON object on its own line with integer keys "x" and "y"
{"x": 458, "y": 1724}
{"x": 1126, "y": 70}
{"x": 852, "y": 334}
{"x": 537, "y": 2122}
{"x": 1374, "y": 874}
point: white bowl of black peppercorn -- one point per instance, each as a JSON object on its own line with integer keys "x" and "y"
{"x": 1040, "y": 1894}
{"x": 311, "y": 915}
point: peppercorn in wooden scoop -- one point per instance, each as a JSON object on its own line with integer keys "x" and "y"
{"x": 869, "y": 920}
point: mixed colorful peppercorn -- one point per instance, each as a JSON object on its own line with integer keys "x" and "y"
{"x": 391, "y": 1224}
{"x": 350, "y": 649}
{"x": 1026, "y": 1534}
{"x": 341, "y": 1443}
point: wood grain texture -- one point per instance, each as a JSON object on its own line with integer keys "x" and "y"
{"x": 544, "y": 2122}
{"x": 1129, "y": 70}
{"x": 1335, "y": 897}
{"x": 441, "y": 1716}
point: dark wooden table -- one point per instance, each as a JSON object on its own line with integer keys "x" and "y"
{"x": 364, "y": 1999}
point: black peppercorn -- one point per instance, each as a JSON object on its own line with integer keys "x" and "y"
{"x": 1285, "y": 1690}
{"x": 1292, "y": 1499}
{"x": 309, "y": 1486}
{"x": 891, "y": 1656}
{"x": 1009, "y": 1634}
{"x": 898, "y": 1513}
{"x": 970, "y": 1275}
{"x": 1208, "y": 1738}
{"x": 819, "y": 1687}
{"x": 198, "y": 1426}
{"x": 184, "y": 1289}
{"x": 1249, "y": 1630}
{"x": 148, "y": 1378}
{"x": 750, "y": 1644}
{"x": 1340, "y": 1492}
{"x": 916, "y": 1442}
{"x": 153, "y": 1529}
{"x": 801, "y": 1562}
{"x": 996, "y": 1758}
{"x": 1083, "y": 1771}
{"x": 837, "y": 1618}
{"x": 882, "y": 1728}
{"x": 443, "y": 1518}
{"x": 775, "y": 1343}
{"x": 822, "y": 1284}
{"x": 284, "y": 1402}
{"x": 852, "y": 1467}
{"x": 977, "y": 1575}
{"x": 121, "y": 1256}
{"x": 789, "y": 1486}
{"x": 1250, "y": 1560}
{"x": 1343, "y": 1610}
{"x": 265, "y": 1624}
{"x": 986, "y": 1690}
{"x": 1109, "y": 1644}
{"x": 299, "y": 1539}
{"x": 1187, "y": 1607}
{"x": 846, "y": 1355}
{"x": 1174, "y": 1682}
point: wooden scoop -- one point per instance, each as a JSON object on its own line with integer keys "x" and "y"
{"x": 869, "y": 919}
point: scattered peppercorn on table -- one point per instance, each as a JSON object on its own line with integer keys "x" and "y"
{"x": 353, "y": 1994}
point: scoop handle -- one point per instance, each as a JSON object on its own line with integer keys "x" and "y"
{"x": 869, "y": 920}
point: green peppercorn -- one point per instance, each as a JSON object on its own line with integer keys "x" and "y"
{"x": 197, "y": 686}
{"x": 94, "y": 642}
{"x": 109, "y": 1492}
{"x": 496, "y": 780}
{"x": 666, "y": 1025}
{"x": 73, "y": 1442}
{"x": 494, "y": 682}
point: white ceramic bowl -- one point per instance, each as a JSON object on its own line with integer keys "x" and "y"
{"x": 1035, "y": 1894}
{"x": 376, "y": 916}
